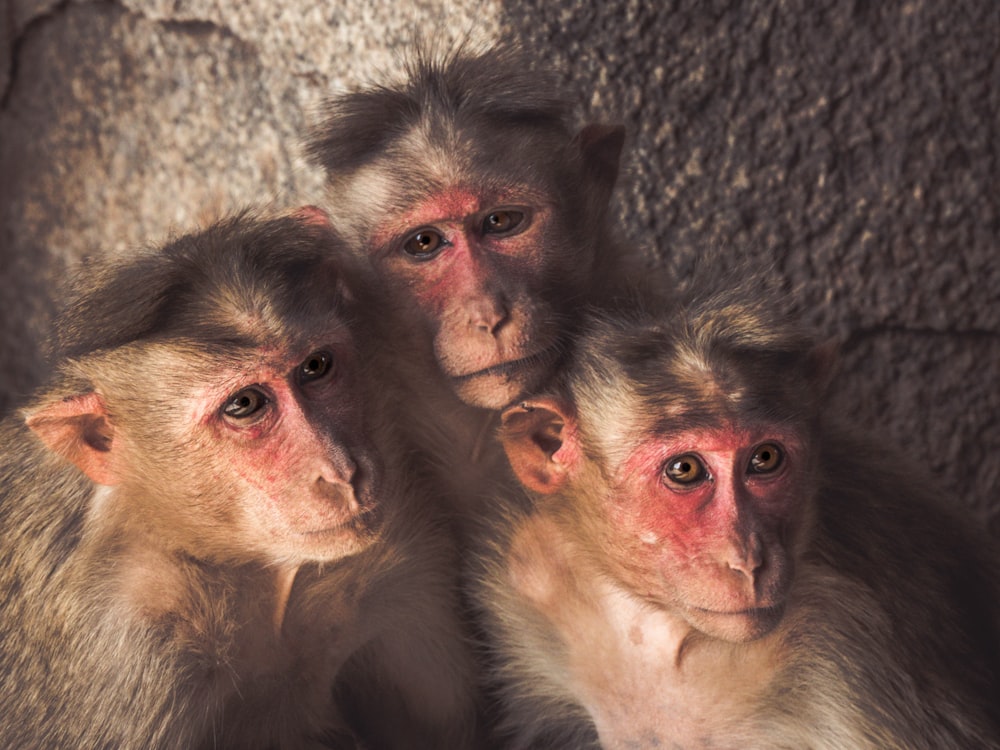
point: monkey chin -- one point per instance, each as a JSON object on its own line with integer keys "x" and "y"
{"x": 736, "y": 627}
{"x": 498, "y": 386}
{"x": 342, "y": 540}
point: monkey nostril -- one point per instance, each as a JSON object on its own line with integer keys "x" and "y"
{"x": 340, "y": 493}
{"x": 489, "y": 325}
{"x": 748, "y": 559}
{"x": 490, "y": 318}
{"x": 341, "y": 472}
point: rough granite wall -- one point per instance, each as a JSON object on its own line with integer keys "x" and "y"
{"x": 855, "y": 144}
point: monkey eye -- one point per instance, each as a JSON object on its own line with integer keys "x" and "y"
{"x": 767, "y": 457}
{"x": 423, "y": 244}
{"x": 315, "y": 366}
{"x": 685, "y": 469}
{"x": 501, "y": 222}
{"x": 245, "y": 403}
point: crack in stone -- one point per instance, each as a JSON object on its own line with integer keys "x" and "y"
{"x": 197, "y": 27}
{"x": 193, "y": 27}
{"x": 18, "y": 42}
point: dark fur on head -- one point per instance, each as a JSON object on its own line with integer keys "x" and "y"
{"x": 277, "y": 272}
{"x": 709, "y": 347}
{"x": 461, "y": 89}
{"x": 482, "y": 119}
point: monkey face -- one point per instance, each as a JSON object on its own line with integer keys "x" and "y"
{"x": 301, "y": 456}
{"x": 473, "y": 268}
{"x": 268, "y": 457}
{"x": 708, "y": 518}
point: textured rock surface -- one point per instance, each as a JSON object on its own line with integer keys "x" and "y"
{"x": 854, "y": 144}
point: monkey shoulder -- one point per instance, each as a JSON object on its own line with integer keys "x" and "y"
{"x": 900, "y": 594}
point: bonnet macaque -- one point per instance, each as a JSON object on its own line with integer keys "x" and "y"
{"x": 703, "y": 558}
{"x": 203, "y": 540}
{"x": 482, "y": 224}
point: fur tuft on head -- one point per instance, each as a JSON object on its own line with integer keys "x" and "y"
{"x": 724, "y": 345}
{"x": 192, "y": 287}
{"x": 460, "y": 89}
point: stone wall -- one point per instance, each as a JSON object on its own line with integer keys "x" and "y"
{"x": 853, "y": 144}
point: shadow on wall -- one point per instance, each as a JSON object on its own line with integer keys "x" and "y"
{"x": 854, "y": 145}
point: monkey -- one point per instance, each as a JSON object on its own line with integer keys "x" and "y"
{"x": 481, "y": 220}
{"x": 204, "y": 538}
{"x": 702, "y": 556}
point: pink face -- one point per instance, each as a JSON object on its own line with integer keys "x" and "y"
{"x": 288, "y": 447}
{"x": 472, "y": 265}
{"x": 704, "y": 521}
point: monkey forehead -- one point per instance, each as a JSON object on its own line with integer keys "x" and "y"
{"x": 415, "y": 168}
{"x": 677, "y": 371}
{"x": 724, "y": 437}
{"x": 184, "y": 365}
{"x": 250, "y": 325}
{"x": 618, "y": 413}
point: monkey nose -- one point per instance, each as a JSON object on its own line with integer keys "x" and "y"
{"x": 339, "y": 494}
{"x": 489, "y": 319}
{"x": 748, "y": 558}
{"x": 340, "y": 471}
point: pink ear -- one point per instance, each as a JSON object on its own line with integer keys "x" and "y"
{"x": 539, "y": 437}
{"x": 78, "y": 429}
{"x": 312, "y": 215}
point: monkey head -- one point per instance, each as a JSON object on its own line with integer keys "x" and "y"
{"x": 480, "y": 213}
{"x": 684, "y": 444}
{"x": 212, "y": 387}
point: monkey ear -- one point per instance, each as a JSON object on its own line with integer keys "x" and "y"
{"x": 601, "y": 145}
{"x": 78, "y": 429}
{"x": 823, "y": 365}
{"x": 539, "y": 437}
{"x": 312, "y": 215}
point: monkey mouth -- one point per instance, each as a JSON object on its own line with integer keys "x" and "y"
{"x": 756, "y": 612}
{"x": 513, "y": 367}
{"x": 744, "y": 624}
{"x": 368, "y": 521}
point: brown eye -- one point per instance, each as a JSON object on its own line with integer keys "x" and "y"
{"x": 245, "y": 404}
{"x": 686, "y": 469}
{"x": 423, "y": 244}
{"x": 315, "y": 366}
{"x": 499, "y": 222}
{"x": 766, "y": 458}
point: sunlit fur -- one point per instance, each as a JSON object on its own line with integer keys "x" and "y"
{"x": 890, "y": 636}
{"x": 148, "y": 613}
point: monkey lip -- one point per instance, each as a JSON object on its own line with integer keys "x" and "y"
{"x": 774, "y": 610}
{"x": 512, "y": 367}
{"x": 366, "y": 520}
{"x": 357, "y": 532}
{"x": 740, "y": 625}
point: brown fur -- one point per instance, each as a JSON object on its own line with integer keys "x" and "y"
{"x": 158, "y": 609}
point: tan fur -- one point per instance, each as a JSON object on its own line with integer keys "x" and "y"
{"x": 188, "y": 579}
